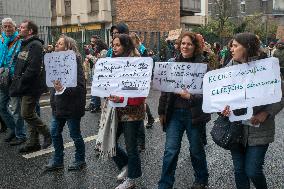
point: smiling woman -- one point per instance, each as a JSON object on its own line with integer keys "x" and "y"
{"x": 182, "y": 112}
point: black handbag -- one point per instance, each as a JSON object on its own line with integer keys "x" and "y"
{"x": 226, "y": 134}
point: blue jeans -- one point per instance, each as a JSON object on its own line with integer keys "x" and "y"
{"x": 13, "y": 118}
{"x": 96, "y": 101}
{"x": 57, "y": 125}
{"x": 130, "y": 129}
{"x": 248, "y": 165}
{"x": 180, "y": 122}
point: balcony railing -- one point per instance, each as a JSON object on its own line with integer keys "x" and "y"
{"x": 278, "y": 12}
{"x": 189, "y": 7}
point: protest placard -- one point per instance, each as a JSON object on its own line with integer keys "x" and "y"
{"x": 61, "y": 66}
{"x": 242, "y": 86}
{"x": 175, "y": 76}
{"x": 174, "y": 34}
{"x": 123, "y": 76}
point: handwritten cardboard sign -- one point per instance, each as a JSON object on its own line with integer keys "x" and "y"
{"x": 124, "y": 76}
{"x": 174, "y": 34}
{"x": 61, "y": 66}
{"x": 242, "y": 86}
{"x": 175, "y": 76}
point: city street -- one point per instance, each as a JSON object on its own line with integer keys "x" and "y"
{"x": 26, "y": 171}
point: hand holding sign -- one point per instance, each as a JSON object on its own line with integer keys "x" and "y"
{"x": 177, "y": 76}
{"x": 124, "y": 76}
{"x": 242, "y": 86}
{"x": 61, "y": 66}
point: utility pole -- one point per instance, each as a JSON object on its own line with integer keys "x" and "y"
{"x": 265, "y": 7}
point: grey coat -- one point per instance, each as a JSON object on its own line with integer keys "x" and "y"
{"x": 264, "y": 134}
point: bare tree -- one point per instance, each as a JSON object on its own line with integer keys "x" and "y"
{"x": 223, "y": 10}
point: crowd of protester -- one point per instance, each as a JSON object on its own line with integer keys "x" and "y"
{"x": 22, "y": 54}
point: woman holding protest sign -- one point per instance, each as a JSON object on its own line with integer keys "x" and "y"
{"x": 183, "y": 112}
{"x": 130, "y": 119}
{"x": 68, "y": 105}
{"x": 248, "y": 158}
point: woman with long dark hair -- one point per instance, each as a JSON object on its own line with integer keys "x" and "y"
{"x": 248, "y": 158}
{"x": 130, "y": 119}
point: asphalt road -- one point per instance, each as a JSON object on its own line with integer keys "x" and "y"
{"x": 17, "y": 171}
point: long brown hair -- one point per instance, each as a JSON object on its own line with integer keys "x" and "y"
{"x": 194, "y": 38}
{"x": 127, "y": 44}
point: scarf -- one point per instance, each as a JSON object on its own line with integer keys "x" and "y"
{"x": 106, "y": 141}
{"x": 6, "y": 52}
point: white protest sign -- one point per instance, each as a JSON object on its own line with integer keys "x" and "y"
{"x": 123, "y": 76}
{"x": 242, "y": 86}
{"x": 61, "y": 66}
{"x": 175, "y": 76}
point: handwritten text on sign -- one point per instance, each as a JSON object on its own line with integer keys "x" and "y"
{"x": 243, "y": 85}
{"x": 61, "y": 66}
{"x": 174, "y": 76}
{"x": 125, "y": 76}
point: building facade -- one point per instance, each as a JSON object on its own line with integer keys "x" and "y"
{"x": 77, "y": 14}
{"x": 149, "y": 15}
{"x": 198, "y": 18}
{"x": 19, "y": 10}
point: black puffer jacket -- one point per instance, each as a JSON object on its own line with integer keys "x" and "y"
{"x": 167, "y": 100}
{"x": 29, "y": 77}
{"x": 70, "y": 104}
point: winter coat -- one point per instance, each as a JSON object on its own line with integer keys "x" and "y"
{"x": 9, "y": 48}
{"x": 71, "y": 103}
{"x": 264, "y": 134}
{"x": 142, "y": 50}
{"x": 29, "y": 77}
{"x": 279, "y": 53}
{"x": 134, "y": 110}
{"x": 167, "y": 100}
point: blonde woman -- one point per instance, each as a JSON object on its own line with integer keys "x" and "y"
{"x": 68, "y": 106}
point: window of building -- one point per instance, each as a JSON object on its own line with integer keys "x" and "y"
{"x": 94, "y": 5}
{"x": 210, "y": 4}
{"x": 67, "y": 4}
{"x": 243, "y": 7}
{"x": 53, "y": 8}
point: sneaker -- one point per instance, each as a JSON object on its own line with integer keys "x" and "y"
{"x": 90, "y": 107}
{"x": 96, "y": 110}
{"x": 51, "y": 166}
{"x": 127, "y": 184}
{"x": 123, "y": 174}
{"x": 30, "y": 148}
{"x": 10, "y": 137}
{"x": 141, "y": 148}
{"x": 199, "y": 186}
{"x": 75, "y": 166}
{"x": 47, "y": 141}
{"x": 17, "y": 141}
{"x": 3, "y": 128}
{"x": 150, "y": 123}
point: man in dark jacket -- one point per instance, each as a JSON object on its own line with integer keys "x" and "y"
{"x": 28, "y": 83}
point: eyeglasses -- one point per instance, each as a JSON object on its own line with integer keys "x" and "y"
{"x": 93, "y": 41}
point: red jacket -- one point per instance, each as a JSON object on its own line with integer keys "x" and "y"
{"x": 133, "y": 101}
